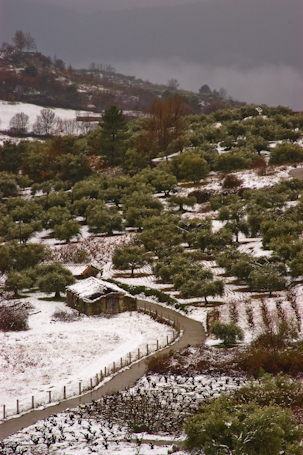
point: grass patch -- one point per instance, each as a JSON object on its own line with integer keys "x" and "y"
{"x": 53, "y": 299}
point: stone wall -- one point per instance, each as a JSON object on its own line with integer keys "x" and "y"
{"x": 103, "y": 305}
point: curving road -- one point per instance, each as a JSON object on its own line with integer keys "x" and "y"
{"x": 193, "y": 334}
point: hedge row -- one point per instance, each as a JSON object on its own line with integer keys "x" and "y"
{"x": 161, "y": 296}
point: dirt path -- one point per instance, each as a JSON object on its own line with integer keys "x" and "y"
{"x": 193, "y": 334}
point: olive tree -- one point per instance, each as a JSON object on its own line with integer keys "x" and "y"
{"x": 16, "y": 281}
{"x": 67, "y": 230}
{"x": 130, "y": 257}
{"x": 53, "y": 278}
{"x": 229, "y": 333}
{"x": 265, "y": 277}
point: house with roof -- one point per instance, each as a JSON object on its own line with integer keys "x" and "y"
{"x": 94, "y": 296}
{"x": 81, "y": 271}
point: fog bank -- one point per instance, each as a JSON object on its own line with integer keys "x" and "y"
{"x": 272, "y": 85}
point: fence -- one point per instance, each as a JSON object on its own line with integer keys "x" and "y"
{"x": 53, "y": 396}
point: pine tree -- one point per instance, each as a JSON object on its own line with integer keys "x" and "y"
{"x": 113, "y": 135}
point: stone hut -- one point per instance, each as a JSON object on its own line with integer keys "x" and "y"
{"x": 94, "y": 296}
{"x": 81, "y": 271}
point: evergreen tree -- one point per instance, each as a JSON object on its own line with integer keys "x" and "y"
{"x": 113, "y": 135}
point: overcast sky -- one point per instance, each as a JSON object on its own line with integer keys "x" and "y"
{"x": 89, "y": 5}
{"x": 252, "y": 48}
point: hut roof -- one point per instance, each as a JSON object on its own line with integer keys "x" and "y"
{"x": 93, "y": 288}
{"x": 78, "y": 269}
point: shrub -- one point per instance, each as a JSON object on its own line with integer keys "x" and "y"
{"x": 189, "y": 166}
{"x": 274, "y": 351}
{"x": 279, "y": 339}
{"x": 13, "y": 319}
{"x": 286, "y": 153}
{"x": 159, "y": 364}
{"x": 231, "y": 181}
{"x": 288, "y": 361}
{"x": 63, "y": 316}
{"x": 280, "y": 390}
{"x": 221, "y": 428}
{"x": 234, "y": 160}
{"x": 161, "y": 296}
{"x": 228, "y": 333}
{"x": 201, "y": 196}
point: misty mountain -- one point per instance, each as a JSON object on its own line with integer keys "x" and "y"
{"x": 245, "y": 33}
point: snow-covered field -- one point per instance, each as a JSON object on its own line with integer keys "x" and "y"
{"x": 67, "y": 116}
{"x": 53, "y": 354}
{"x": 9, "y": 109}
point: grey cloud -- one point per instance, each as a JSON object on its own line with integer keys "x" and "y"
{"x": 253, "y": 48}
{"x": 268, "y": 84}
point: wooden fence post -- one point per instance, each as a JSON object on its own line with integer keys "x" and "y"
{"x": 121, "y": 362}
{"x": 114, "y": 366}
{"x": 33, "y": 402}
{"x": 18, "y": 410}
{"x": 64, "y": 393}
{"x": 157, "y": 345}
{"x": 105, "y": 372}
{"x": 130, "y": 357}
{"x": 91, "y": 383}
{"x": 49, "y": 396}
{"x": 138, "y": 353}
{"x": 97, "y": 379}
{"x": 167, "y": 339}
{"x": 147, "y": 349}
{"x": 3, "y": 411}
{"x": 80, "y": 391}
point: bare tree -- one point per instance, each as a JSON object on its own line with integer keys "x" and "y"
{"x": 30, "y": 42}
{"x": 173, "y": 84}
{"x": 19, "y": 123}
{"x": 23, "y": 41}
{"x": 222, "y": 93}
{"x": 45, "y": 122}
{"x": 67, "y": 127}
{"x": 86, "y": 127}
{"x": 108, "y": 68}
{"x": 6, "y": 47}
{"x": 19, "y": 40}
